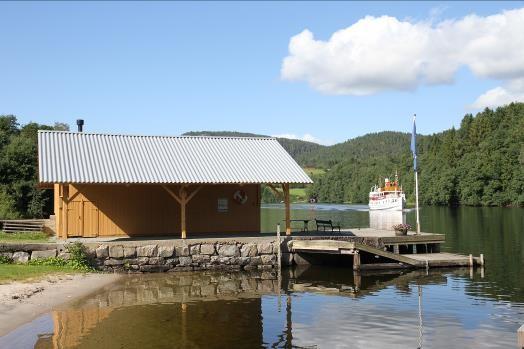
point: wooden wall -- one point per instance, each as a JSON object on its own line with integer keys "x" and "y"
{"x": 148, "y": 210}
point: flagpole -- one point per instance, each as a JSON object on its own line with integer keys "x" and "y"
{"x": 414, "y": 150}
{"x": 416, "y": 201}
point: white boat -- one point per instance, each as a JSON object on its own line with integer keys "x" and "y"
{"x": 389, "y": 197}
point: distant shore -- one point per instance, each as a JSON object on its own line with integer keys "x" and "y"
{"x": 21, "y": 302}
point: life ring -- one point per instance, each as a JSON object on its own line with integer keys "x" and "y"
{"x": 240, "y": 196}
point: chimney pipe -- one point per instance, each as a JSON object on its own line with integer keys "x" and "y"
{"x": 80, "y": 124}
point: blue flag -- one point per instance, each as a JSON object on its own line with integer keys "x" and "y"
{"x": 414, "y": 144}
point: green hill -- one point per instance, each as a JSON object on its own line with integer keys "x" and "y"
{"x": 481, "y": 163}
{"x": 295, "y": 147}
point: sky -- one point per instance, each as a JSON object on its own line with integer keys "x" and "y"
{"x": 320, "y": 71}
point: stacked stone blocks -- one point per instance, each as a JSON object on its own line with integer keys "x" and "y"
{"x": 186, "y": 257}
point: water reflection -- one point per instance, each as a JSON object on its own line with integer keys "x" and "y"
{"x": 385, "y": 220}
{"x": 320, "y": 307}
{"x": 496, "y": 232}
{"x": 162, "y": 311}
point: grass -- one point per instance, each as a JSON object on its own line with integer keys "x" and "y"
{"x": 297, "y": 194}
{"x": 312, "y": 171}
{"x": 24, "y": 237}
{"x": 23, "y": 272}
{"x": 37, "y": 268}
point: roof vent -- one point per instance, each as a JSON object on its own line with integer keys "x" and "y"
{"x": 80, "y": 124}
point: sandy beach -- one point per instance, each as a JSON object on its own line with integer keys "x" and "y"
{"x": 21, "y": 302}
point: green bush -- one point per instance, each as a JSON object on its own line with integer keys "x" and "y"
{"x": 50, "y": 261}
{"x": 5, "y": 260}
{"x": 78, "y": 259}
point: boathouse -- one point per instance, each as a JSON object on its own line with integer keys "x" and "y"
{"x": 123, "y": 185}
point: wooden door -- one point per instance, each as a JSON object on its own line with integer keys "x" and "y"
{"x": 74, "y": 218}
{"x": 90, "y": 219}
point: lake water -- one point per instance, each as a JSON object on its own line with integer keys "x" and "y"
{"x": 315, "y": 307}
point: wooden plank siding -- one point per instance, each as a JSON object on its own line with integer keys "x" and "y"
{"x": 148, "y": 210}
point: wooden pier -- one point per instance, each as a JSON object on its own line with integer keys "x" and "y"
{"x": 384, "y": 250}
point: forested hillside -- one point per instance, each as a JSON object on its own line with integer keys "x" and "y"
{"x": 481, "y": 163}
{"x": 296, "y": 148}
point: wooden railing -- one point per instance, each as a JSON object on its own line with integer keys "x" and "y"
{"x": 12, "y": 226}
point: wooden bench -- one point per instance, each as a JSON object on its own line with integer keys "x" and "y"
{"x": 13, "y": 226}
{"x": 326, "y": 224}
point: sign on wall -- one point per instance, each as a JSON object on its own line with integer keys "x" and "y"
{"x": 222, "y": 205}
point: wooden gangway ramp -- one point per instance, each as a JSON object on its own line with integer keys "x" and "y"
{"x": 387, "y": 251}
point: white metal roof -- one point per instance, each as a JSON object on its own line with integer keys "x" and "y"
{"x": 71, "y": 157}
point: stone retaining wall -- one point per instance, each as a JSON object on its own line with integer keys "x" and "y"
{"x": 199, "y": 256}
{"x": 180, "y": 256}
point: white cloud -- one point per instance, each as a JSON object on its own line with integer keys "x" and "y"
{"x": 511, "y": 92}
{"x": 306, "y": 137}
{"x": 384, "y": 53}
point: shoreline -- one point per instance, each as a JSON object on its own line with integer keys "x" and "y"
{"x": 21, "y": 302}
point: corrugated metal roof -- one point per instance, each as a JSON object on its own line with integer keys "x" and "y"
{"x": 70, "y": 157}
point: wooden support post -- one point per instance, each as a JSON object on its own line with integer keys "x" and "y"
{"x": 182, "y": 198}
{"x": 471, "y": 260}
{"x": 275, "y": 191}
{"x": 59, "y": 211}
{"x": 482, "y": 259}
{"x": 395, "y": 249}
{"x": 356, "y": 261}
{"x": 65, "y": 197}
{"x": 357, "y": 281}
{"x": 285, "y": 187}
{"x": 183, "y": 202}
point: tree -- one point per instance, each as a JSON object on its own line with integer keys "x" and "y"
{"x": 19, "y": 196}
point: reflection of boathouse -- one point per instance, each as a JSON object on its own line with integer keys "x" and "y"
{"x": 135, "y": 313}
{"x": 229, "y": 310}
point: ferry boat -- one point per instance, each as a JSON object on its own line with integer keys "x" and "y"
{"x": 389, "y": 197}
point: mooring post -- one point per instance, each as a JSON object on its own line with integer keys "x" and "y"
{"x": 356, "y": 261}
{"x": 520, "y": 337}
{"x": 482, "y": 259}
{"x": 471, "y": 260}
{"x": 357, "y": 280}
